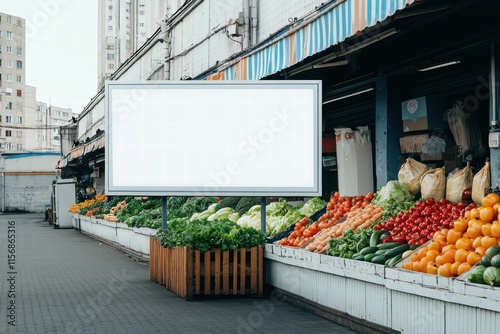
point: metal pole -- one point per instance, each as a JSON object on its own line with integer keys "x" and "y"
{"x": 163, "y": 212}
{"x": 263, "y": 215}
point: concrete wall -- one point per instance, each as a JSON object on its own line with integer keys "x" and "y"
{"x": 29, "y": 193}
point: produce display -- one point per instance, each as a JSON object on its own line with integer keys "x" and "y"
{"x": 85, "y": 206}
{"x": 467, "y": 242}
{"x": 203, "y": 235}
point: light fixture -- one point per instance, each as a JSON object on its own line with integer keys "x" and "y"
{"x": 334, "y": 64}
{"x": 433, "y": 67}
{"x": 348, "y": 95}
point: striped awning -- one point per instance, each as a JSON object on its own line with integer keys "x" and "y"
{"x": 330, "y": 26}
{"x": 82, "y": 150}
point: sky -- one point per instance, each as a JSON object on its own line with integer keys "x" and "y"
{"x": 61, "y": 49}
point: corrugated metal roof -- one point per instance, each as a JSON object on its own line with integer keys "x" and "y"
{"x": 332, "y": 25}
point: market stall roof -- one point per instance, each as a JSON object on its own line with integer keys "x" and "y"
{"x": 82, "y": 150}
{"x": 331, "y": 25}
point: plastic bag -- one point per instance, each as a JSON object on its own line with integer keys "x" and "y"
{"x": 433, "y": 183}
{"x": 456, "y": 184}
{"x": 480, "y": 183}
{"x": 434, "y": 145}
{"x": 410, "y": 173}
{"x": 465, "y": 130}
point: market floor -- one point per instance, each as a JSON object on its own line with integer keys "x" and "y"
{"x": 61, "y": 281}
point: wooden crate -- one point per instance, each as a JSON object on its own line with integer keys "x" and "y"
{"x": 189, "y": 273}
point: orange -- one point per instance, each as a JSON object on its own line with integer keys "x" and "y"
{"x": 449, "y": 256}
{"x": 454, "y": 268}
{"x": 461, "y": 224}
{"x": 436, "y": 234}
{"x": 487, "y": 214}
{"x": 414, "y": 256}
{"x": 461, "y": 255}
{"x": 495, "y": 229}
{"x": 447, "y": 248}
{"x": 422, "y": 252}
{"x": 453, "y": 236}
{"x": 488, "y": 242}
{"x": 464, "y": 243}
{"x": 445, "y": 270}
{"x": 474, "y": 231}
{"x": 463, "y": 267}
{"x": 473, "y": 258}
{"x": 434, "y": 245}
{"x": 439, "y": 260}
{"x": 477, "y": 242}
{"x": 408, "y": 265}
{"x": 474, "y": 214}
{"x": 480, "y": 250}
{"x": 417, "y": 266}
{"x": 441, "y": 239}
{"x": 444, "y": 231}
{"x": 486, "y": 229}
{"x": 490, "y": 200}
{"x": 425, "y": 260}
{"x": 432, "y": 254}
{"x": 467, "y": 214}
{"x": 432, "y": 268}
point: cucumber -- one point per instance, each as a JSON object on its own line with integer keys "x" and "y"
{"x": 379, "y": 259}
{"x": 389, "y": 245}
{"x": 375, "y": 237}
{"x": 397, "y": 250}
{"x": 359, "y": 257}
{"x": 368, "y": 250}
{"x": 387, "y": 262}
{"x": 355, "y": 255}
{"x": 413, "y": 247}
{"x": 370, "y": 257}
{"x": 395, "y": 259}
{"x": 381, "y": 251}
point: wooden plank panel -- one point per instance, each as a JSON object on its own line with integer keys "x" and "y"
{"x": 189, "y": 273}
{"x": 207, "y": 272}
{"x": 260, "y": 268}
{"x": 151, "y": 259}
{"x": 225, "y": 272}
{"x": 217, "y": 277}
{"x": 197, "y": 272}
{"x": 235, "y": 272}
{"x": 253, "y": 270}
{"x": 242, "y": 265}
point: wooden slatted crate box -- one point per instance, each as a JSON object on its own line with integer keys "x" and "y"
{"x": 189, "y": 273}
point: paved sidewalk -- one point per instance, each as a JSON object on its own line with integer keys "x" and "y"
{"x": 65, "y": 282}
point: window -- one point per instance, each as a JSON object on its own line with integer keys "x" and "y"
{"x": 9, "y": 34}
{"x": 111, "y": 66}
{"x": 8, "y": 63}
{"x": 0, "y": 33}
{"x": 8, "y": 119}
{"x": 111, "y": 56}
{"x": 19, "y": 147}
{"x": 8, "y": 91}
{"x": 8, "y": 133}
{"x": 0, "y": 48}
{"x": 141, "y": 24}
{"x": 19, "y": 79}
{"x": 19, "y": 64}
{"x": 8, "y": 146}
{"x": 0, "y": 62}
{"x": 110, "y": 47}
{"x": 141, "y": 12}
{"x": 110, "y": 17}
{"x": 19, "y": 93}
{"x": 19, "y": 51}
{"x": 64, "y": 114}
{"x": 142, "y": 5}
{"x": 8, "y": 77}
{"x": 44, "y": 138}
{"x": 9, "y": 19}
{"x": 19, "y": 120}
{"x": 110, "y": 28}
{"x": 110, "y": 7}
{"x": 9, "y": 48}
{"x": 56, "y": 137}
{"x": 8, "y": 106}
{"x": 0, "y": 118}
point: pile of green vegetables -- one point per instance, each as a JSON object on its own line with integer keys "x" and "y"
{"x": 203, "y": 235}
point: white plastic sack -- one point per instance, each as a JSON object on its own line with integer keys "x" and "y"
{"x": 456, "y": 184}
{"x": 434, "y": 145}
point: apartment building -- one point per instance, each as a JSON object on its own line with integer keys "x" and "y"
{"x": 124, "y": 26}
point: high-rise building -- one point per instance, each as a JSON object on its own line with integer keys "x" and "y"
{"x": 25, "y": 124}
{"x": 15, "y": 97}
{"x": 124, "y": 26}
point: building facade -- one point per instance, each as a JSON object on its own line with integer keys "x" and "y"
{"x": 124, "y": 26}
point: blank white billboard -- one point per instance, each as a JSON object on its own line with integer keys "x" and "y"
{"x": 205, "y": 138}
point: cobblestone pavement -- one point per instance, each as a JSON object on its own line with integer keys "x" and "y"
{"x": 61, "y": 281}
